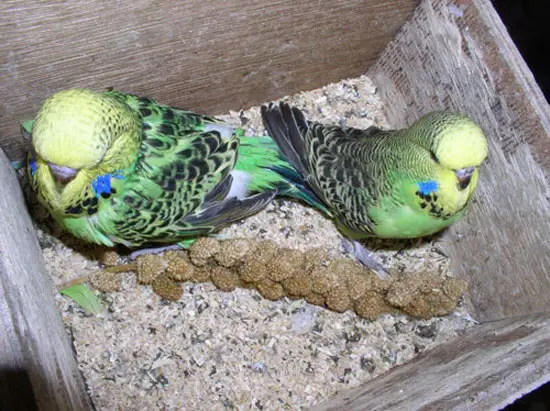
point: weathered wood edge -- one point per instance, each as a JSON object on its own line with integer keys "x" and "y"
{"x": 458, "y": 55}
{"x": 38, "y": 369}
{"x": 204, "y": 56}
{"x": 486, "y": 369}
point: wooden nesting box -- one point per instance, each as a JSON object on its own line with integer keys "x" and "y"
{"x": 219, "y": 55}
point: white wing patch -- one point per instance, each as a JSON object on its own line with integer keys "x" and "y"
{"x": 240, "y": 184}
{"x": 225, "y": 130}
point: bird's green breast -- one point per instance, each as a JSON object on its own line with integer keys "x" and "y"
{"x": 410, "y": 213}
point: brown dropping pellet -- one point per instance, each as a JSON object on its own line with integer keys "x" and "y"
{"x": 371, "y": 305}
{"x": 109, "y": 258}
{"x": 224, "y": 278}
{"x": 150, "y": 267}
{"x": 247, "y": 285}
{"x": 315, "y": 299}
{"x": 433, "y": 303}
{"x": 338, "y": 299}
{"x": 179, "y": 266}
{"x": 284, "y": 265}
{"x": 359, "y": 281}
{"x": 299, "y": 285}
{"x": 314, "y": 258}
{"x": 233, "y": 252}
{"x": 203, "y": 249}
{"x": 322, "y": 280}
{"x": 379, "y": 285}
{"x": 167, "y": 288}
{"x": 401, "y": 293}
{"x": 252, "y": 270}
{"x": 255, "y": 265}
{"x": 201, "y": 274}
{"x": 270, "y": 289}
{"x": 419, "y": 308}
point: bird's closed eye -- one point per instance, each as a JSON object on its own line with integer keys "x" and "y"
{"x": 434, "y": 157}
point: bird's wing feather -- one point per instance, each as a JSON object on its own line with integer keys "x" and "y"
{"x": 343, "y": 171}
{"x": 179, "y": 180}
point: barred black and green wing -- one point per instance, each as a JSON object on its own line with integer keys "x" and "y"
{"x": 179, "y": 184}
{"x": 166, "y": 120}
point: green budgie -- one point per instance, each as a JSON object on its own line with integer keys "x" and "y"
{"x": 114, "y": 168}
{"x": 391, "y": 184}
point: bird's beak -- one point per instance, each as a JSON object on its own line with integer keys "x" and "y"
{"x": 62, "y": 175}
{"x": 464, "y": 175}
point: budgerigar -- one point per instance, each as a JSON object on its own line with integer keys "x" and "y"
{"x": 391, "y": 184}
{"x": 114, "y": 168}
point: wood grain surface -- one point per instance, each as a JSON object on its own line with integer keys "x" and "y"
{"x": 206, "y": 56}
{"x": 38, "y": 368}
{"x": 458, "y": 55}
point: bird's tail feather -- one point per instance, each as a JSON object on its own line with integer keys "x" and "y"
{"x": 264, "y": 167}
{"x": 218, "y": 214}
{"x": 283, "y": 125}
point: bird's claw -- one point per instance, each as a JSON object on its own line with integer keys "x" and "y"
{"x": 365, "y": 257}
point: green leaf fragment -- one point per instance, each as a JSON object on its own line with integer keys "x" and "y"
{"x": 85, "y": 297}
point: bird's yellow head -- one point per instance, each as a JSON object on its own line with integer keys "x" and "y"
{"x": 80, "y": 130}
{"x": 455, "y": 142}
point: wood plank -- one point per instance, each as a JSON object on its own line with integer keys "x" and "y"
{"x": 38, "y": 369}
{"x": 486, "y": 369}
{"x": 207, "y": 56}
{"x": 458, "y": 55}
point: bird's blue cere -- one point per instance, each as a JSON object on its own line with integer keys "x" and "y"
{"x": 102, "y": 184}
{"x": 33, "y": 167}
{"x": 428, "y": 187}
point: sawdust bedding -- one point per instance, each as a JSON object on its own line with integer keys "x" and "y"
{"x": 236, "y": 350}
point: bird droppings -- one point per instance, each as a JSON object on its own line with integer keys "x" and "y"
{"x": 167, "y": 288}
{"x": 233, "y": 339}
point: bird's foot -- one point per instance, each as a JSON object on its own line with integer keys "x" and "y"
{"x": 365, "y": 257}
{"x": 154, "y": 250}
